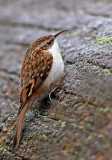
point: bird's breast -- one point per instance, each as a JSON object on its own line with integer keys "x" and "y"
{"x": 57, "y": 68}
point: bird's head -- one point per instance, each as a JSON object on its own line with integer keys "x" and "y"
{"x": 47, "y": 42}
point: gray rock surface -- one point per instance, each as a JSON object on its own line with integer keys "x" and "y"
{"x": 78, "y": 124}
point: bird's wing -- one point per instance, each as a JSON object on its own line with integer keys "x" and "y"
{"x": 35, "y": 69}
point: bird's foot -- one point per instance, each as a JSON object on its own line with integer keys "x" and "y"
{"x": 46, "y": 101}
{"x": 52, "y": 94}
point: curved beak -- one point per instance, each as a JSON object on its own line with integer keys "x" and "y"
{"x": 57, "y": 34}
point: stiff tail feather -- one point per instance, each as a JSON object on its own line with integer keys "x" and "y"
{"x": 20, "y": 125}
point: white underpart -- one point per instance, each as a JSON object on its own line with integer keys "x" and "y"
{"x": 57, "y": 69}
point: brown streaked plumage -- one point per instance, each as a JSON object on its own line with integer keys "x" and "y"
{"x": 36, "y": 73}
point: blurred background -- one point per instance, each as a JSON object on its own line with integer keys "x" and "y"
{"x": 23, "y": 21}
{"x": 78, "y": 126}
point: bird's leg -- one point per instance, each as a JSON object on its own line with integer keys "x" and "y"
{"x": 48, "y": 96}
{"x": 52, "y": 92}
{"x": 56, "y": 88}
{"x": 45, "y": 99}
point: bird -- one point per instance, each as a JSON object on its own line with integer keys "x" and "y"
{"x": 42, "y": 68}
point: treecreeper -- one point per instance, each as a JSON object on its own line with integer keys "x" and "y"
{"x": 41, "y": 69}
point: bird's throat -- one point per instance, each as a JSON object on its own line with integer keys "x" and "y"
{"x": 55, "y": 50}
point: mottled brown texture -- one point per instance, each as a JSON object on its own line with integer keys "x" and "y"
{"x": 44, "y": 42}
{"x": 35, "y": 62}
{"x": 35, "y": 69}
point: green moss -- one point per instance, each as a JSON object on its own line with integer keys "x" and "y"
{"x": 107, "y": 71}
{"x": 104, "y": 40}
